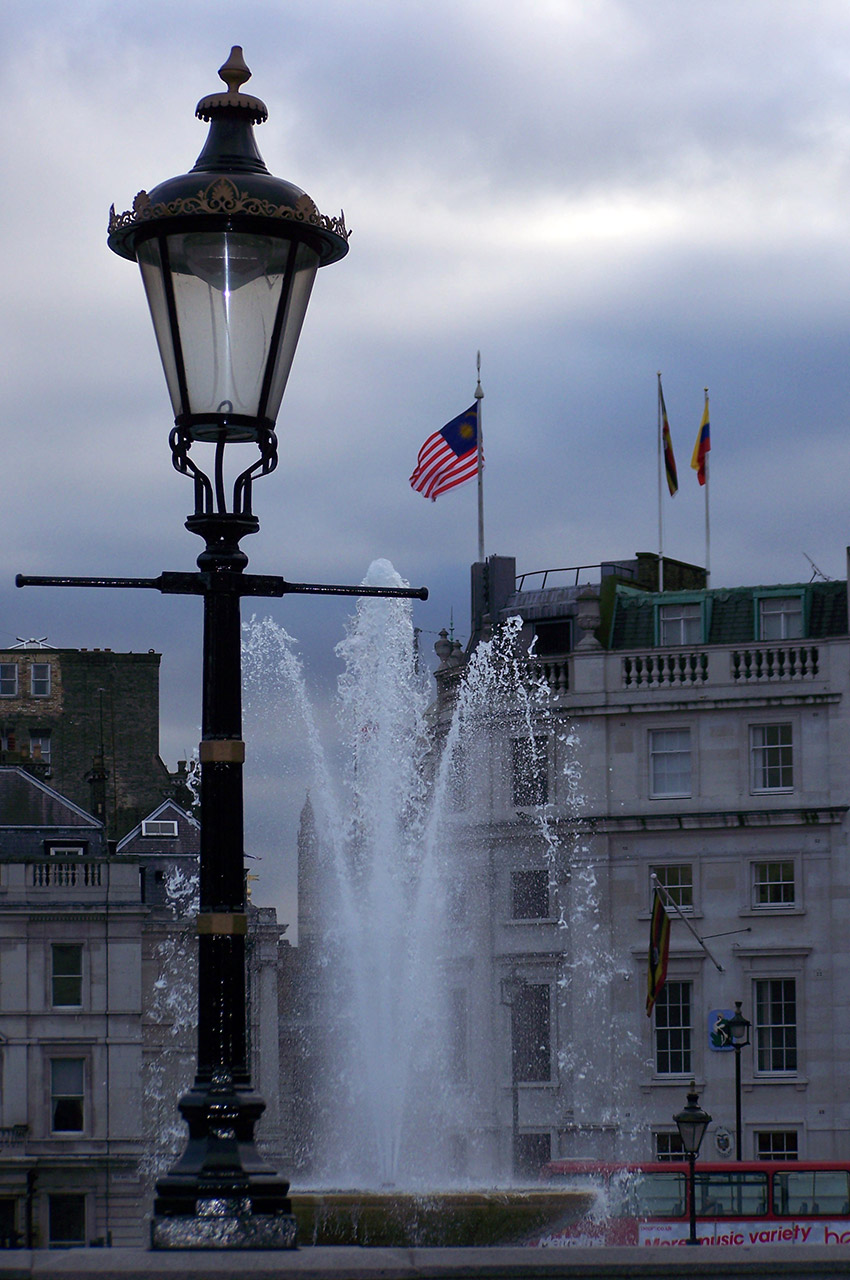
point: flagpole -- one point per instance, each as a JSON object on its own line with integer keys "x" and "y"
{"x": 707, "y": 524}
{"x": 660, "y": 500}
{"x": 479, "y": 396}
{"x": 657, "y": 885}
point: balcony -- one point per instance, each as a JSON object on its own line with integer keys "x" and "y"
{"x": 66, "y": 875}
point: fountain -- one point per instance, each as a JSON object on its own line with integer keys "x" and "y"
{"x": 388, "y": 934}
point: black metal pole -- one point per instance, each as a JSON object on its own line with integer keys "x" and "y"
{"x": 221, "y": 1172}
{"x": 692, "y": 1156}
{"x": 738, "y": 1155}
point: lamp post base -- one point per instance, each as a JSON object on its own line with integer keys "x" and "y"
{"x": 224, "y": 1224}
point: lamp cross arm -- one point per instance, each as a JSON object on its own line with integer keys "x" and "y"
{"x": 242, "y": 584}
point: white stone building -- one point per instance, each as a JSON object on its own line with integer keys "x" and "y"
{"x": 701, "y": 736}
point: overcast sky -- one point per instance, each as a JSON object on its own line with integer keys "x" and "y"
{"x": 588, "y": 191}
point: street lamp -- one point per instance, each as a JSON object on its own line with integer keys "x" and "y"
{"x": 228, "y": 255}
{"x": 692, "y": 1123}
{"x": 739, "y": 1029}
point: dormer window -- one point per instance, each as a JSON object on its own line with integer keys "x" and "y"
{"x": 680, "y": 624}
{"x": 780, "y": 617}
{"x": 553, "y": 638}
{"x": 163, "y": 828}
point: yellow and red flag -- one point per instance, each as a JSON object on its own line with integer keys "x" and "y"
{"x": 702, "y": 446}
{"x": 659, "y": 951}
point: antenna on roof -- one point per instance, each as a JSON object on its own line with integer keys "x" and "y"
{"x": 816, "y": 572}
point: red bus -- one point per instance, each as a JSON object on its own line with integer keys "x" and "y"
{"x": 794, "y": 1202}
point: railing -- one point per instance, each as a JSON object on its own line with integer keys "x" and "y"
{"x": 665, "y": 670}
{"x": 799, "y": 662}
{"x": 555, "y": 671}
{"x": 13, "y": 1135}
{"x": 623, "y": 571}
{"x": 66, "y": 875}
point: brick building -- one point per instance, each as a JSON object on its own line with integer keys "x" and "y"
{"x": 87, "y": 722}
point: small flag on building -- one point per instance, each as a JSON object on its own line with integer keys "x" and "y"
{"x": 659, "y": 952}
{"x": 667, "y": 444}
{"x": 449, "y": 457}
{"x": 702, "y": 446}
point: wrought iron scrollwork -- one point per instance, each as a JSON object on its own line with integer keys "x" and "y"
{"x": 211, "y": 493}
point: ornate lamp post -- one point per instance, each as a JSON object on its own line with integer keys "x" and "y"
{"x": 739, "y": 1029}
{"x": 228, "y": 255}
{"x": 692, "y": 1123}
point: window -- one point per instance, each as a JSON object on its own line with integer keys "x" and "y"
{"x": 8, "y": 679}
{"x": 66, "y": 850}
{"x": 680, "y": 624}
{"x": 458, "y": 1027}
{"x": 66, "y": 1220}
{"x": 673, "y": 1030}
{"x": 529, "y": 782}
{"x": 67, "y": 975}
{"x": 678, "y": 880}
{"x": 40, "y": 679}
{"x": 668, "y": 1146}
{"x": 67, "y": 1095}
{"x": 530, "y": 895}
{"x": 159, "y": 827}
{"x": 553, "y": 638}
{"x": 670, "y": 762}
{"x": 40, "y": 747}
{"x": 781, "y": 1144}
{"x": 780, "y": 618}
{"x": 773, "y": 885}
{"x": 654, "y": 1195}
{"x": 9, "y": 1235}
{"x": 532, "y": 1152}
{"x": 730, "y": 1194}
{"x": 776, "y": 1024}
{"x": 531, "y": 1033}
{"x": 823, "y": 1191}
{"x": 771, "y": 757}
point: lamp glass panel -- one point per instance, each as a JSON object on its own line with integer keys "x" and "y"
{"x": 227, "y": 289}
{"x": 151, "y": 267}
{"x": 306, "y": 265}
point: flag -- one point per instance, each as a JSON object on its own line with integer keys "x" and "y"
{"x": 667, "y": 442}
{"x": 659, "y": 952}
{"x": 702, "y": 446}
{"x": 449, "y": 457}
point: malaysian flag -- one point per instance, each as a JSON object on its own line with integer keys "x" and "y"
{"x": 449, "y": 457}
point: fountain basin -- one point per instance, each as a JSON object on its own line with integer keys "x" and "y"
{"x": 434, "y": 1219}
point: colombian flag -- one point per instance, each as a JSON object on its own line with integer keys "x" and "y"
{"x": 667, "y": 444}
{"x": 659, "y": 952}
{"x": 702, "y": 446}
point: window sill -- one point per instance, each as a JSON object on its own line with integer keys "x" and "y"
{"x": 521, "y": 920}
{"x": 680, "y": 1081}
{"x": 795, "y": 909}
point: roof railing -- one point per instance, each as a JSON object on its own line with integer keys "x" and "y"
{"x": 622, "y": 570}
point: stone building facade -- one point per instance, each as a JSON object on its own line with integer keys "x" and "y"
{"x": 71, "y": 924}
{"x": 701, "y": 737}
{"x": 98, "y": 1014}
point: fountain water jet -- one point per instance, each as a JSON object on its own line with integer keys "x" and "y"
{"x": 392, "y": 842}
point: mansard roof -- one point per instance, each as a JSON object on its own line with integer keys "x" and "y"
{"x": 25, "y": 801}
{"x": 730, "y": 613}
